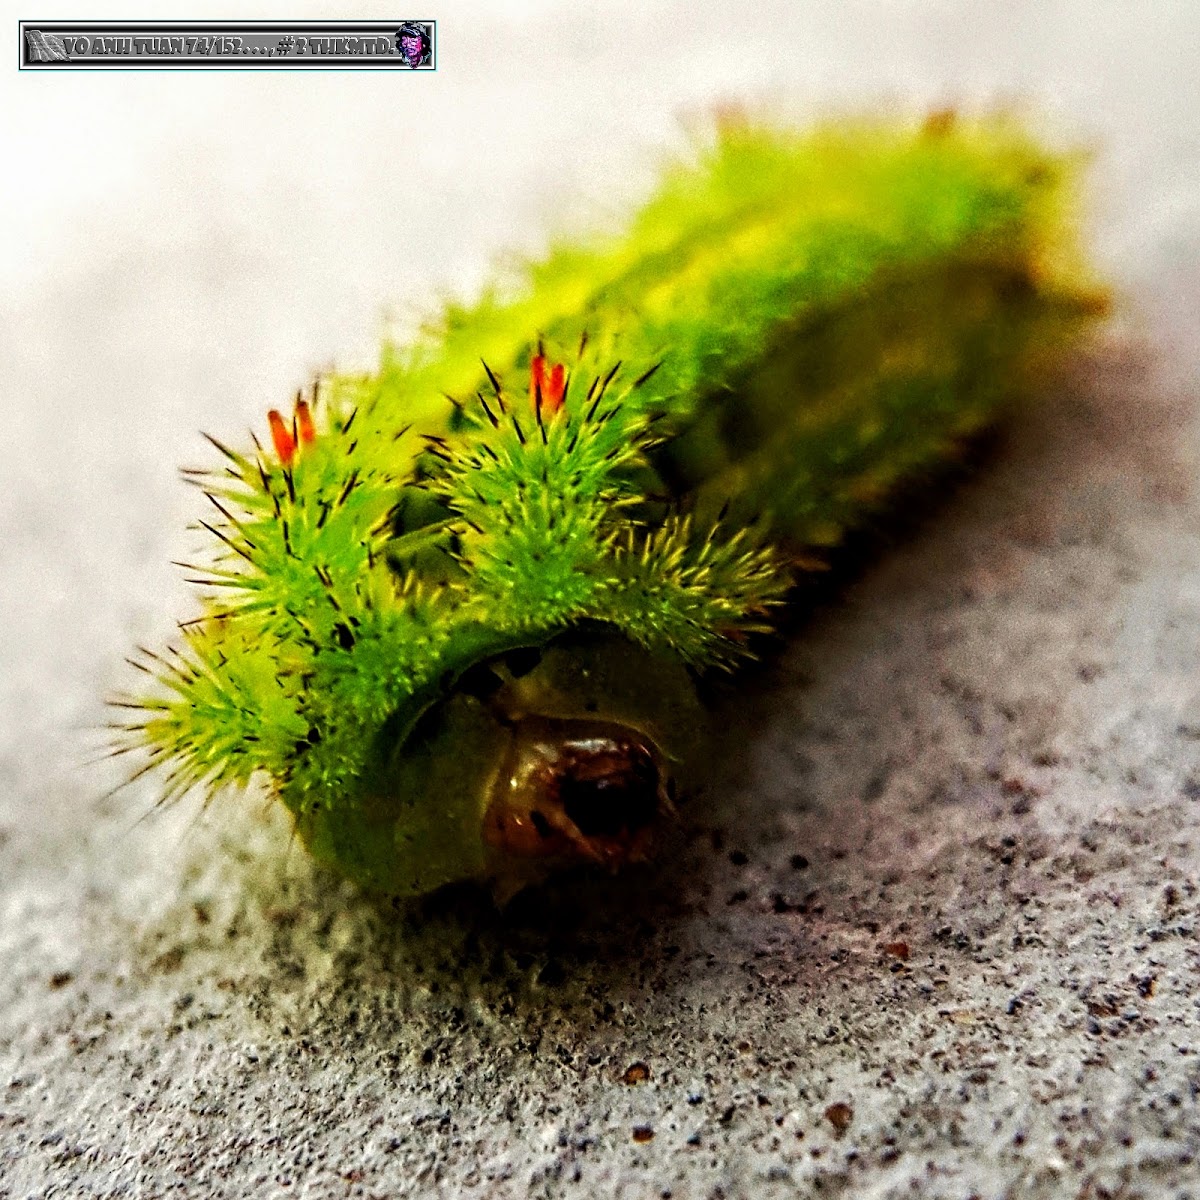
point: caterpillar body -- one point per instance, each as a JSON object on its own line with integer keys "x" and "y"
{"x": 455, "y": 611}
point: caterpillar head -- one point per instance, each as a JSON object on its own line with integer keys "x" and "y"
{"x": 595, "y": 732}
{"x": 463, "y": 656}
{"x": 585, "y": 791}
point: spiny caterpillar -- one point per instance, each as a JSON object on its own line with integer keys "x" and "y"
{"x": 455, "y": 612}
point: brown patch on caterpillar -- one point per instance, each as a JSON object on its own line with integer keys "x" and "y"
{"x": 940, "y": 122}
{"x": 578, "y": 791}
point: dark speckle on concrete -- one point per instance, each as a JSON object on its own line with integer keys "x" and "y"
{"x": 839, "y": 1115}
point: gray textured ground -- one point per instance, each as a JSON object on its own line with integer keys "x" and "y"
{"x": 932, "y": 931}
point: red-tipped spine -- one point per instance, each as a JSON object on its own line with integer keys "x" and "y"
{"x": 546, "y": 392}
{"x": 556, "y": 388}
{"x": 281, "y": 436}
{"x": 304, "y": 423}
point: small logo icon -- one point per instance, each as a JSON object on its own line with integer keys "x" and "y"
{"x": 413, "y": 42}
{"x": 45, "y": 47}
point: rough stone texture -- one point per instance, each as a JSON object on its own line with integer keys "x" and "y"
{"x": 932, "y": 929}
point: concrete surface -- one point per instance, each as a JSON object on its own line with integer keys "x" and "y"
{"x": 933, "y": 929}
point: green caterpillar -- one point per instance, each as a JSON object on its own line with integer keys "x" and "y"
{"x": 456, "y": 613}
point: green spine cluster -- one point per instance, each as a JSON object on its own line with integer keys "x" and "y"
{"x": 791, "y": 325}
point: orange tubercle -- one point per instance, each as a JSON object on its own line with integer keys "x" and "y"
{"x": 288, "y": 439}
{"x": 281, "y": 436}
{"x": 304, "y": 423}
{"x": 546, "y": 393}
{"x": 556, "y": 388}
